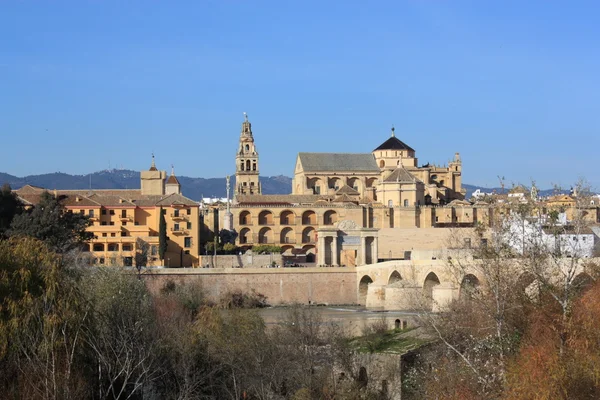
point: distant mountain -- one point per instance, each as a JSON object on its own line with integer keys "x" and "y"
{"x": 194, "y": 188}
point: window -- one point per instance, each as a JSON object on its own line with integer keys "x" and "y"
{"x": 113, "y": 234}
{"x": 405, "y": 203}
{"x": 188, "y": 211}
{"x": 103, "y": 212}
{"x": 103, "y": 223}
{"x": 101, "y": 260}
{"x": 104, "y": 234}
{"x": 187, "y": 252}
{"x": 112, "y": 212}
{"x": 127, "y": 247}
{"x": 189, "y": 225}
{"x": 113, "y": 247}
{"x": 82, "y": 212}
{"x": 187, "y": 242}
{"x": 124, "y": 233}
{"x": 390, "y": 203}
{"x": 112, "y": 223}
{"x": 124, "y": 223}
{"x": 175, "y": 227}
{"x": 176, "y": 213}
{"x": 123, "y": 213}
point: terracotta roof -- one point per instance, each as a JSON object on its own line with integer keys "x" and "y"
{"x": 393, "y": 143}
{"x": 176, "y": 199}
{"x": 278, "y": 199}
{"x": 400, "y": 174}
{"x": 351, "y": 162}
{"x": 347, "y": 190}
{"x": 344, "y": 198}
{"x": 172, "y": 180}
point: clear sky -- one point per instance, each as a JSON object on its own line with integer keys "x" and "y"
{"x": 512, "y": 85}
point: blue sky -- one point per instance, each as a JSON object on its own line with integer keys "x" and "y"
{"x": 512, "y": 85}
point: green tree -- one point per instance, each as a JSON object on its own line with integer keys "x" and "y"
{"x": 49, "y": 222}
{"x": 9, "y": 207}
{"x": 163, "y": 239}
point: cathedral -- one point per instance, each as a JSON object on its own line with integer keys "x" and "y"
{"x": 340, "y": 201}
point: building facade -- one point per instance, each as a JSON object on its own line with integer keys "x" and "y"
{"x": 125, "y": 223}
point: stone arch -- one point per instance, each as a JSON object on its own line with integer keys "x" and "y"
{"x": 363, "y": 289}
{"x": 308, "y": 235}
{"x": 310, "y": 251}
{"x": 287, "y": 250}
{"x": 354, "y": 183}
{"x": 330, "y": 217}
{"x": 245, "y": 236}
{"x": 245, "y": 218}
{"x": 363, "y": 377}
{"x": 334, "y": 183}
{"x": 468, "y": 287}
{"x": 265, "y": 217}
{"x": 265, "y": 235}
{"x": 98, "y": 247}
{"x": 394, "y": 277}
{"x": 431, "y": 281}
{"x": 309, "y": 217}
{"x": 316, "y": 184}
{"x": 287, "y": 217}
{"x": 371, "y": 182}
{"x": 397, "y": 324}
{"x": 287, "y": 235}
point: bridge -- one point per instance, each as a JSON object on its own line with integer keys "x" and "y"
{"x": 427, "y": 280}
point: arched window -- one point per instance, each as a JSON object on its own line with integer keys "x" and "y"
{"x": 247, "y": 147}
{"x": 247, "y": 165}
{"x": 405, "y": 203}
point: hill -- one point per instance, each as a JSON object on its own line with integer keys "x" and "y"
{"x": 194, "y": 188}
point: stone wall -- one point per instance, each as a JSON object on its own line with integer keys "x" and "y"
{"x": 241, "y": 261}
{"x": 280, "y": 285}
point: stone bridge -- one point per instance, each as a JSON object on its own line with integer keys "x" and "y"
{"x": 426, "y": 281}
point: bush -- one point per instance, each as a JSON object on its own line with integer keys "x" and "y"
{"x": 239, "y": 299}
{"x": 266, "y": 249}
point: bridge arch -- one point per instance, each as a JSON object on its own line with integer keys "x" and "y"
{"x": 431, "y": 281}
{"x": 468, "y": 287}
{"x": 394, "y": 277}
{"x": 363, "y": 289}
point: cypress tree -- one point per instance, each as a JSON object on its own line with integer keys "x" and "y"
{"x": 162, "y": 235}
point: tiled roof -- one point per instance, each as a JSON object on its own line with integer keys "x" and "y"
{"x": 347, "y": 190}
{"x": 176, "y": 199}
{"x": 172, "y": 180}
{"x": 401, "y": 175}
{"x": 393, "y": 143}
{"x": 344, "y": 198}
{"x": 278, "y": 199}
{"x": 358, "y": 162}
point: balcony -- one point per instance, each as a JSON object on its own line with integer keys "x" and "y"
{"x": 179, "y": 231}
{"x": 125, "y": 218}
{"x": 179, "y": 217}
{"x": 93, "y": 218}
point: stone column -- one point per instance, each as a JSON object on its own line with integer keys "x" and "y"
{"x": 363, "y": 250}
{"x": 375, "y": 255}
{"x": 321, "y": 250}
{"x": 334, "y": 251}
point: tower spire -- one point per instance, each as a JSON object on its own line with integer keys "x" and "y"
{"x": 153, "y": 165}
{"x": 393, "y": 131}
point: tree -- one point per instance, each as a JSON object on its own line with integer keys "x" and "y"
{"x": 227, "y": 236}
{"x": 49, "y": 222}
{"x": 163, "y": 239}
{"x": 9, "y": 207}
{"x": 142, "y": 250}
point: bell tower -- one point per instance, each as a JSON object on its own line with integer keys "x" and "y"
{"x": 246, "y": 170}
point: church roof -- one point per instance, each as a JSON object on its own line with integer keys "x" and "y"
{"x": 317, "y": 162}
{"x": 172, "y": 180}
{"x": 393, "y": 143}
{"x": 277, "y": 199}
{"x": 400, "y": 174}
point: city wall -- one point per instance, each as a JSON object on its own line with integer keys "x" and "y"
{"x": 241, "y": 261}
{"x": 280, "y": 285}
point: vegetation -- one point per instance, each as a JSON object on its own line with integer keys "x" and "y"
{"x": 163, "y": 239}
{"x": 9, "y": 207}
{"x": 48, "y": 221}
{"x": 266, "y": 249}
